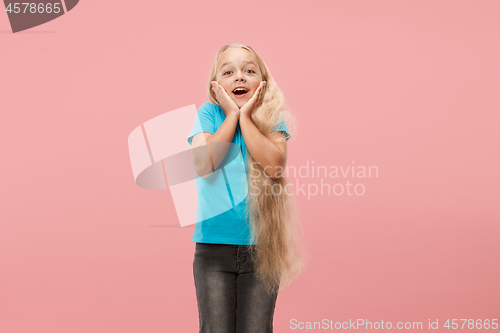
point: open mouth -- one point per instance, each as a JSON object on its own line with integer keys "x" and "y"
{"x": 240, "y": 92}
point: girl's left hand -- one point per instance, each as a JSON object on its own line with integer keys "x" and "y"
{"x": 247, "y": 109}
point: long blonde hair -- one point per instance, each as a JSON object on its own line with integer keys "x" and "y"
{"x": 278, "y": 255}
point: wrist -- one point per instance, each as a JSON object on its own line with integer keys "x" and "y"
{"x": 233, "y": 116}
{"x": 245, "y": 117}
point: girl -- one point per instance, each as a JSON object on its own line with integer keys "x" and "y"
{"x": 243, "y": 254}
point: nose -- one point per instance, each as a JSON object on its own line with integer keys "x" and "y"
{"x": 239, "y": 76}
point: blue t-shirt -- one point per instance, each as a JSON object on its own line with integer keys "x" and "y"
{"x": 221, "y": 215}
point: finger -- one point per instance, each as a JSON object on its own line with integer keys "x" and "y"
{"x": 260, "y": 91}
{"x": 264, "y": 84}
{"x": 217, "y": 89}
{"x": 255, "y": 96}
{"x": 261, "y": 94}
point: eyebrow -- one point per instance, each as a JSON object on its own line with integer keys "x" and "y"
{"x": 245, "y": 62}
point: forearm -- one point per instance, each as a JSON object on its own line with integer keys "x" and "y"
{"x": 264, "y": 151}
{"x": 223, "y": 135}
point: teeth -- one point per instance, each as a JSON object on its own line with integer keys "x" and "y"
{"x": 239, "y": 89}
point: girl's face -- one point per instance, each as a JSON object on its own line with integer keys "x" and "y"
{"x": 238, "y": 68}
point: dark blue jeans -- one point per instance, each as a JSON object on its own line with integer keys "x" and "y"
{"x": 231, "y": 298}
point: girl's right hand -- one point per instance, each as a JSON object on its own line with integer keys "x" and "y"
{"x": 225, "y": 102}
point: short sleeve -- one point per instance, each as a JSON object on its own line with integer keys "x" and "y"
{"x": 283, "y": 128}
{"x": 205, "y": 121}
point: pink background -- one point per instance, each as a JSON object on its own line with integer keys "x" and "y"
{"x": 409, "y": 86}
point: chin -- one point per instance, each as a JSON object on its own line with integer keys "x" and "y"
{"x": 239, "y": 103}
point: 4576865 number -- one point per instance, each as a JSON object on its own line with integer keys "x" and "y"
{"x": 33, "y": 8}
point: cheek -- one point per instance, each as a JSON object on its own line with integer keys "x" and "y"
{"x": 255, "y": 86}
{"x": 227, "y": 87}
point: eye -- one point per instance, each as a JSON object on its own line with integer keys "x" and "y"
{"x": 251, "y": 70}
{"x": 226, "y": 72}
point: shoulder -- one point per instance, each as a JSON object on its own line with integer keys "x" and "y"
{"x": 209, "y": 112}
{"x": 208, "y": 107}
